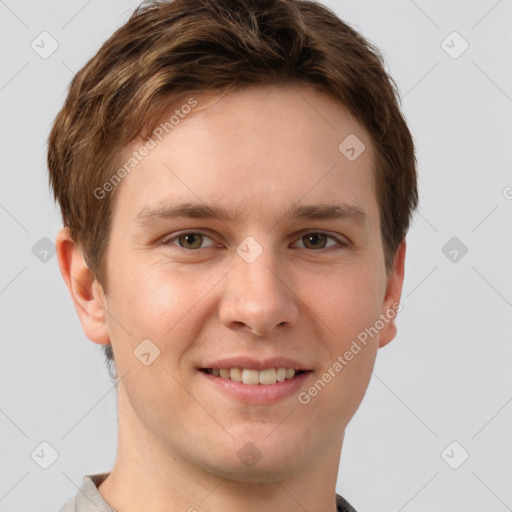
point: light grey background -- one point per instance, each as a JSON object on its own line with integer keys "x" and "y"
{"x": 446, "y": 377}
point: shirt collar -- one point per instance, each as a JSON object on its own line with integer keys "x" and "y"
{"x": 90, "y": 500}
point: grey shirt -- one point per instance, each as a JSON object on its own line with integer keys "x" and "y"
{"x": 88, "y": 499}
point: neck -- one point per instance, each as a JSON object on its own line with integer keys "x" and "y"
{"x": 149, "y": 476}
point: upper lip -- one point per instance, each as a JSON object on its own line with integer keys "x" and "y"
{"x": 256, "y": 364}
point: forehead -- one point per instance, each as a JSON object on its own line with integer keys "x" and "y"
{"x": 264, "y": 147}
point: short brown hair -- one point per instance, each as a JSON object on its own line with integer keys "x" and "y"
{"x": 170, "y": 48}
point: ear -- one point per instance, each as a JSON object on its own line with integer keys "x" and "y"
{"x": 391, "y": 305}
{"x": 85, "y": 291}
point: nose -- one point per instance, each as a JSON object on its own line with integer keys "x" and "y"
{"x": 257, "y": 298}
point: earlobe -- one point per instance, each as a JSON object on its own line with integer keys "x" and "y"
{"x": 391, "y": 305}
{"x": 85, "y": 291}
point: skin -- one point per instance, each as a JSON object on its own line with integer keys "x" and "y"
{"x": 258, "y": 151}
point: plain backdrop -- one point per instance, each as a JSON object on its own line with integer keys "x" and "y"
{"x": 442, "y": 390}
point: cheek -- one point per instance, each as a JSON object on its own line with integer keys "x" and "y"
{"x": 161, "y": 303}
{"x": 147, "y": 303}
{"x": 348, "y": 305}
{"x": 347, "y": 301}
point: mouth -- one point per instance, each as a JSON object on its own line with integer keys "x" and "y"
{"x": 255, "y": 377}
{"x": 251, "y": 380}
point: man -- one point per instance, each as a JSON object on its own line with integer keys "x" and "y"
{"x": 236, "y": 182}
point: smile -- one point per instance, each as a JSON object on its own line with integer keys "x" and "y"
{"x": 263, "y": 386}
{"x": 252, "y": 376}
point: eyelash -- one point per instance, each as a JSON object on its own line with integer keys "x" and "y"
{"x": 169, "y": 241}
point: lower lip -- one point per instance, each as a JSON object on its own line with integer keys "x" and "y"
{"x": 259, "y": 393}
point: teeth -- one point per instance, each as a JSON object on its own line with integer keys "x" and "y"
{"x": 268, "y": 376}
{"x": 235, "y": 374}
{"x": 281, "y": 374}
{"x": 249, "y": 376}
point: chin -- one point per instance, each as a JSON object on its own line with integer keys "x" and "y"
{"x": 263, "y": 471}
{"x": 260, "y": 458}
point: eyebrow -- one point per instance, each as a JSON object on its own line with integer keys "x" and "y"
{"x": 152, "y": 214}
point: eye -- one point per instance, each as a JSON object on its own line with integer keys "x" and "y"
{"x": 189, "y": 240}
{"x": 318, "y": 240}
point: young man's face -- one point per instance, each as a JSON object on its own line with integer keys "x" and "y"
{"x": 251, "y": 290}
